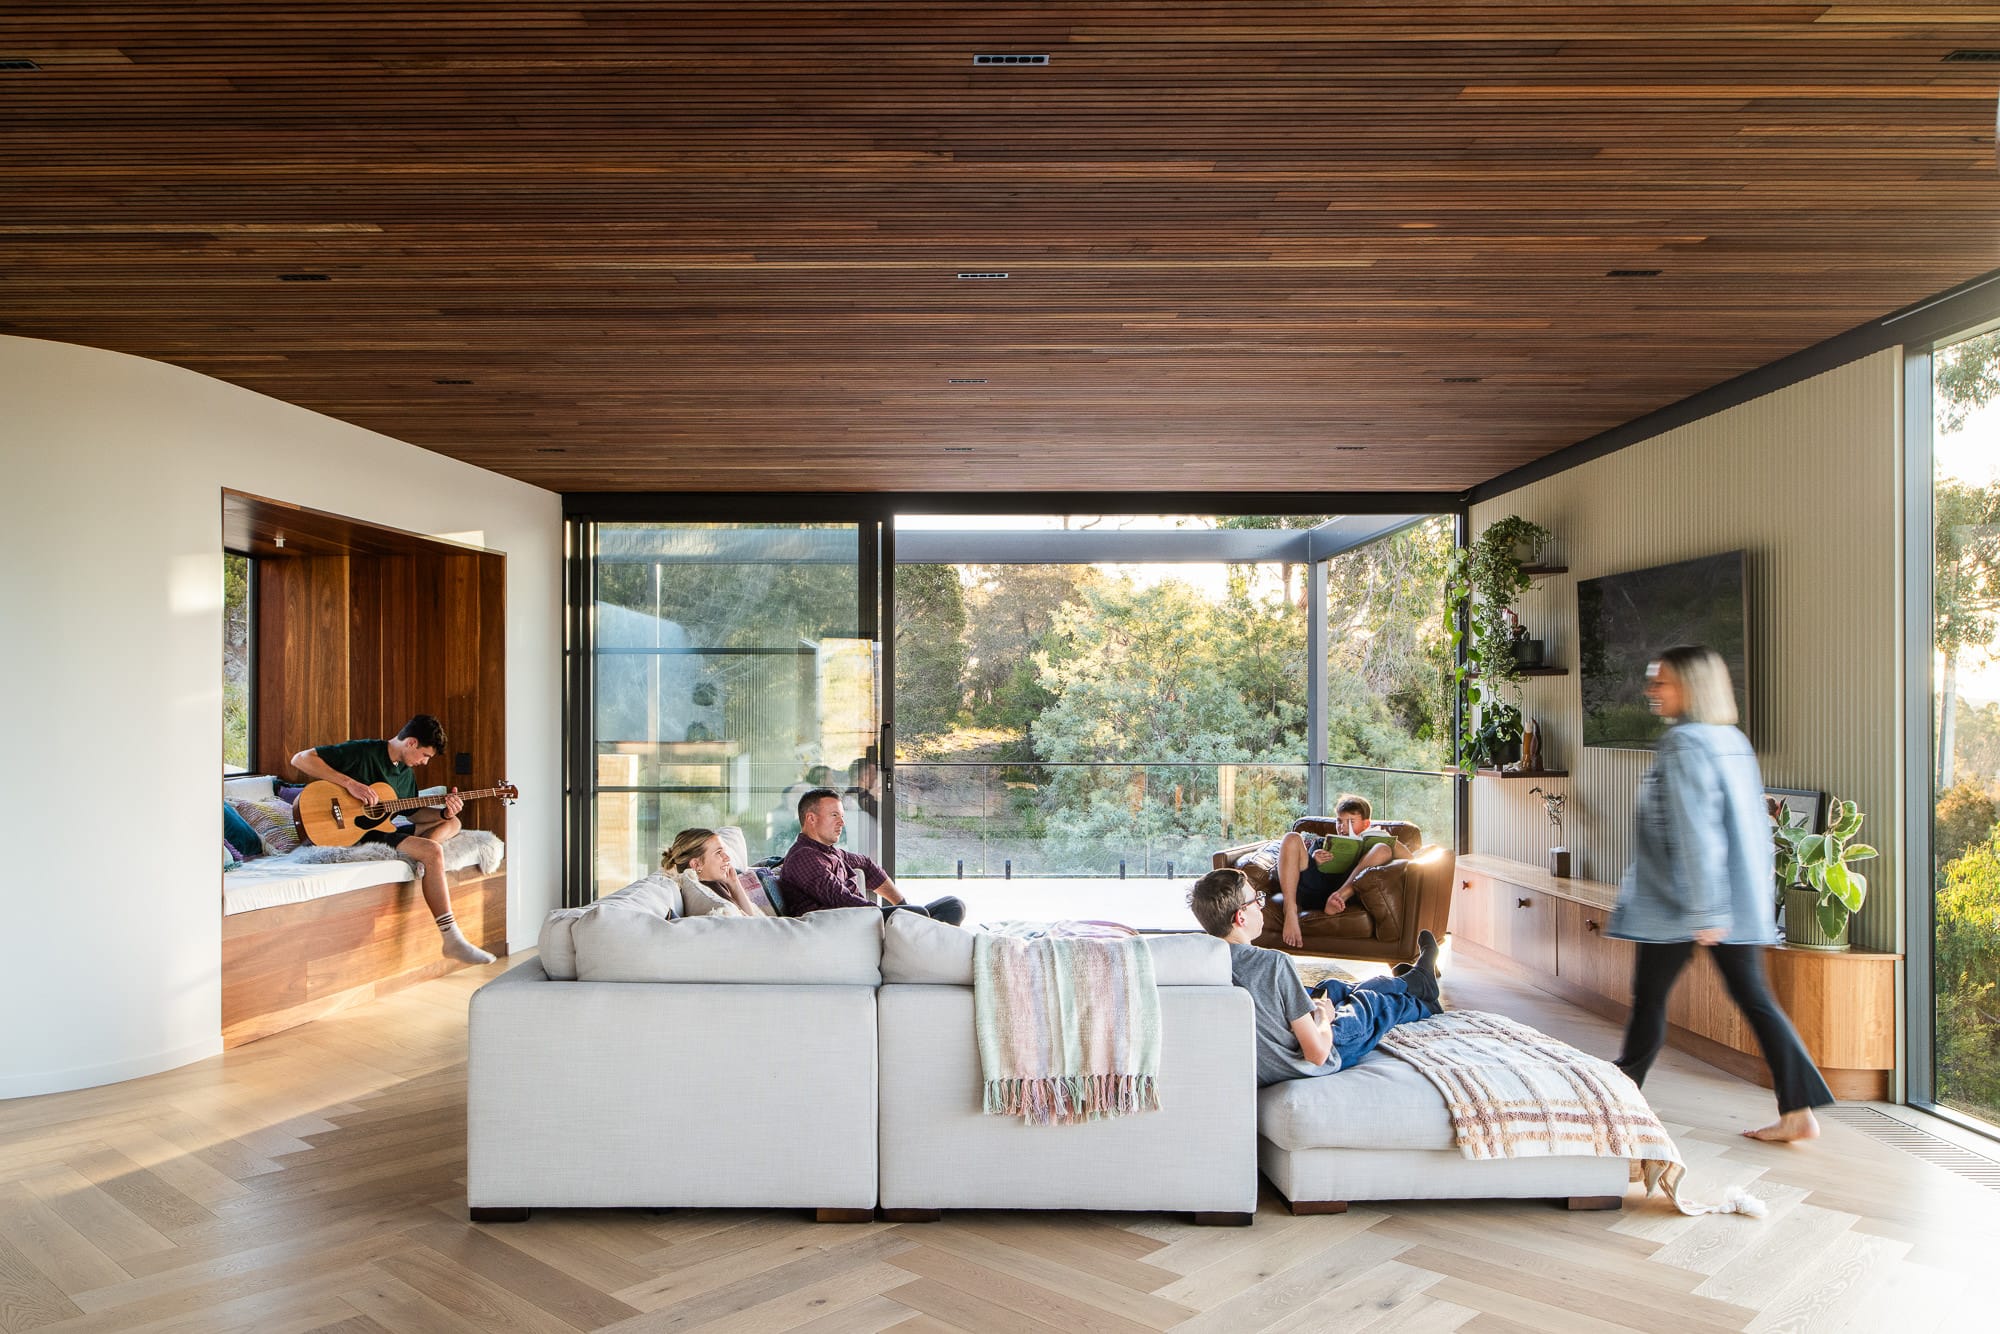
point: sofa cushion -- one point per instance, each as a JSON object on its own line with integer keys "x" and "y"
{"x": 1379, "y": 1102}
{"x": 273, "y": 822}
{"x": 916, "y": 949}
{"x": 556, "y": 948}
{"x": 839, "y": 946}
{"x": 657, "y": 895}
{"x": 253, "y": 787}
{"x": 237, "y": 834}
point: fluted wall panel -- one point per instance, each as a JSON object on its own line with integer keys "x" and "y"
{"x": 1807, "y": 481}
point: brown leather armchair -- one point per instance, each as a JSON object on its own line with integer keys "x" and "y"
{"x": 1390, "y": 904}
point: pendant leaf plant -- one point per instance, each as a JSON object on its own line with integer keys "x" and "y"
{"x": 1824, "y": 864}
{"x": 1481, "y": 582}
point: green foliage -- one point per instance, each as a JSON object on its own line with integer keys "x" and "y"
{"x": 930, "y": 650}
{"x": 1010, "y": 611}
{"x": 1967, "y": 971}
{"x": 1824, "y": 863}
{"x": 1382, "y": 602}
{"x": 1482, "y": 581}
{"x": 1965, "y": 816}
{"x": 236, "y": 660}
{"x": 1967, "y": 376}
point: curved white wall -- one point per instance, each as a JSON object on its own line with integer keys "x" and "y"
{"x": 111, "y": 474}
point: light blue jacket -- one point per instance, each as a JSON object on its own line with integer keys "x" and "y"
{"x": 1701, "y": 844}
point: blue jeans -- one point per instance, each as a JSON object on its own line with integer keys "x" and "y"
{"x": 1366, "y": 1011}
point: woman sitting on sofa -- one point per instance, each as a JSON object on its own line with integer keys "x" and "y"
{"x": 1313, "y": 877}
{"x": 701, "y": 851}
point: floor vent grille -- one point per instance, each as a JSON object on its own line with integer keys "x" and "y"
{"x": 1900, "y": 1134}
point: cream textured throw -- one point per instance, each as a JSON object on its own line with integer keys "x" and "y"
{"x": 1068, "y": 1028}
{"x": 1516, "y": 1093}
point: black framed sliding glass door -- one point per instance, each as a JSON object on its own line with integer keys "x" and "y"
{"x": 728, "y": 669}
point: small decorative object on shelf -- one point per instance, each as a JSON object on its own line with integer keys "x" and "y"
{"x": 1553, "y": 803}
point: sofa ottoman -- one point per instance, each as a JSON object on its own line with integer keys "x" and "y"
{"x": 1379, "y": 1130}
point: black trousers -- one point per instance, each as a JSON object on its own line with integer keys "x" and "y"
{"x": 948, "y": 910}
{"x": 1797, "y": 1083}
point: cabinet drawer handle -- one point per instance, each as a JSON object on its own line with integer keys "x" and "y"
{"x": 1589, "y": 924}
{"x": 1523, "y": 903}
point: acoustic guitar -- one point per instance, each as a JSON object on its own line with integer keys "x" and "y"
{"x": 330, "y": 816}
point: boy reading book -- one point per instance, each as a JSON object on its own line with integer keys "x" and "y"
{"x": 1314, "y": 871}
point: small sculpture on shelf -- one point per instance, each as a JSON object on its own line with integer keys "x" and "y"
{"x": 1553, "y": 803}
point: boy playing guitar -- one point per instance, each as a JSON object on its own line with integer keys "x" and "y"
{"x": 353, "y": 765}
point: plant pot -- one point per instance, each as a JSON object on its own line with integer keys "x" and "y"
{"x": 1559, "y": 863}
{"x": 1802, "y": 926}
{"x": 1529, "y": 652}
{"x": 1499, "y": 757}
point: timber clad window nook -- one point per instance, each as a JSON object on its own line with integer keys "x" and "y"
{"x": 357, "y": 627}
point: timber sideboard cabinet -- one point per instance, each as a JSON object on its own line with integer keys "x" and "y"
{"x": 1550, "y": 932}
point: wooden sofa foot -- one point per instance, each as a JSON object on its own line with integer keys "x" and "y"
{"x": 1581, "y": 1202}
{"x": 492, "y": 1215}
{"x": 1317, "y": 1206}
{"x": 912, "y": 1215}
{"x": 1205, "y": 1218}
{"x": 845, "y": 1215}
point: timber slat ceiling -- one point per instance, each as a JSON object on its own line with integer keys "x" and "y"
{"x": 683, "y": 246}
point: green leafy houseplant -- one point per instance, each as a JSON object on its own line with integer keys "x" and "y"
{"x": 1816, "y": 877}
{"x": 1481, "y": 583}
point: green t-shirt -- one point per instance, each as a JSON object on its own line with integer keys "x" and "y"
{"x": 1346, "y": 852}
{"x": 369, "y": 762}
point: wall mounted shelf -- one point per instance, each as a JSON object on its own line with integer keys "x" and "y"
{"x": 1524, "y": 773}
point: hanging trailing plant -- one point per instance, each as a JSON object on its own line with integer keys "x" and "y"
{"x": 1481, "y": 583}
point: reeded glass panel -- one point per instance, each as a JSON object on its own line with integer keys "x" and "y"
{"x": 237, "y": 683}
{"x": 1965, "y": 836}
{"x": 731, "y": 675}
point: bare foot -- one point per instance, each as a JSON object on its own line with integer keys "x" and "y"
{"x": 1787, "y": 1128}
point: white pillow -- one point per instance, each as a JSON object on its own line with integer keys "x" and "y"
{"x": 261, "y": 788}
{"x": 698, "y": 900}
{"x": 733, "y": 843}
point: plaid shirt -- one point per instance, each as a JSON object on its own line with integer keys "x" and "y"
{"x": 816, "y": 876}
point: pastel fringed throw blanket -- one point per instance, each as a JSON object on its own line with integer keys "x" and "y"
{"x": 1517, "y": 1093}
{"x": 1069, "y": 1028}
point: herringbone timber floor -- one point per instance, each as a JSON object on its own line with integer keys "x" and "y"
{"x": 313, "y": 1182}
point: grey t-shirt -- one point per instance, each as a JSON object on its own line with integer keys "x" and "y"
{"x": 1278, "y": 998}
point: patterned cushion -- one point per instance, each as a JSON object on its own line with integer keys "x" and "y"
{"x": 237, "y": 833}
{"x": 273, "y": 822}
{"x": 767, "y": 876}
{"x": 753, "y": 889}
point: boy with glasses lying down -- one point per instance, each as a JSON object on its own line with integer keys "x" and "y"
{"x": 1303, "y": 1034}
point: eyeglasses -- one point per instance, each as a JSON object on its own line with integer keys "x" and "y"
{"x": 1255, "y": 900}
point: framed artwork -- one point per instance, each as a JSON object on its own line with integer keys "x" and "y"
{"x": 1803, "y": 802}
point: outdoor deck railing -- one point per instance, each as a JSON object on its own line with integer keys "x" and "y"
{"x": 985, "y": 818}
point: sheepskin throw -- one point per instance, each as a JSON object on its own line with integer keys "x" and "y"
{"x": 1068, "y": 1028}
{"x": 468, "y": 847}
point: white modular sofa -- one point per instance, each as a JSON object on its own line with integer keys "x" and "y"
{"x": 806, "y": 1063}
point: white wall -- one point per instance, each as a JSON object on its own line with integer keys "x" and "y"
{"x": 1808, "y": 480}
{"x": 111, "y": 474}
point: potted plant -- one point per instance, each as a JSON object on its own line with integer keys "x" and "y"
{"x": 1818, "y": 885}
{"x": 1481, "y": 583}
{"x": 1496, "y": 741}
{"x": 1553, "y": 802}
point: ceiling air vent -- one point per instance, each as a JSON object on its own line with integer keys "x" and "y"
{"x": 965, "y": 382}
{"x": 998, "y": 274}
{"x": 451, "y": 382}
{"x": 1973, "y": 57}
{"x": 958, "y": 449}
{"x": 1010, "y": 58}
{"x": 1350, "y": 449}
{"x": 1633, "y": 273}
{"x": 18, "y": 64}
{"x": 304, "y": 278}
{"x": 1463, "y": 379}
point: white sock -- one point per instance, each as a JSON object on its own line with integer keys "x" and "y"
{"x": 456, "y": 946}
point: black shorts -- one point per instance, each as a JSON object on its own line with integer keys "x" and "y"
{"x": 390, "y": 836}
{"x": 1316, "y": 887}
